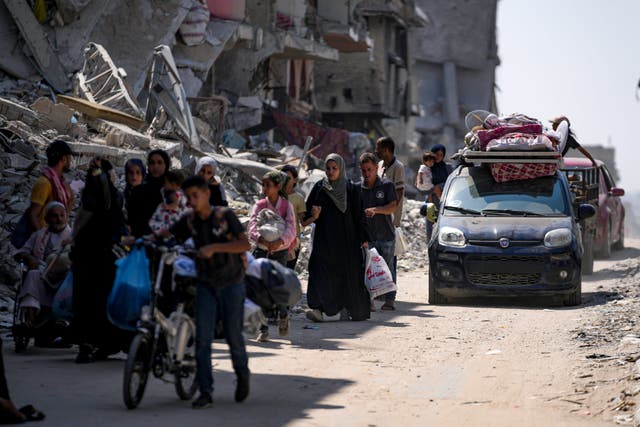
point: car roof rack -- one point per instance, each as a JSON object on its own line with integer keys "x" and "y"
{"x": 481, "y": 157}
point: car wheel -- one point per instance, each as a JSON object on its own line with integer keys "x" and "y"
{"x": 435, "y": 298}
{"x": 619, "y": 245}
{"x": 587, "y": 256}
{"x": 575, "y": 298}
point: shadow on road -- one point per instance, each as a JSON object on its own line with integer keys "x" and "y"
{"x": 81, "y": 395}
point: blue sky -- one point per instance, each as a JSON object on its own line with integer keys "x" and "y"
{"x": 580, "y": 59}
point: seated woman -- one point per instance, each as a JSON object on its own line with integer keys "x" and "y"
{"x": 47, "y": 264}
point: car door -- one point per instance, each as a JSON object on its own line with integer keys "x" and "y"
{"x": 613, "y": 204}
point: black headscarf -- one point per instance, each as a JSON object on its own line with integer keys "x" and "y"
{"x": 145, "y": 198}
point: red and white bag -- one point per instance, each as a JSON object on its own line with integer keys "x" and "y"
{"x": 377, "y": 276}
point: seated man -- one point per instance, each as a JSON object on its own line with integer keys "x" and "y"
{"x": 46, "y": 263}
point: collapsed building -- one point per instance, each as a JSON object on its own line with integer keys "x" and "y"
{"x": 455, "y": 61}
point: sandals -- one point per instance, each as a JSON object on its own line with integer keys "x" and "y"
{"x": 388, "y": 306}
{"x": 31, "y": 414}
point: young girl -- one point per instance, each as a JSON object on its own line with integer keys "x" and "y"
{"x": 424, "y": 180}
{"x": 275, "y": 200}
{"x": 173, "y": 206}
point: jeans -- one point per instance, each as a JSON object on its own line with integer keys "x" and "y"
{"x": 226, "y": 304}
{"x": 386, "y": 249}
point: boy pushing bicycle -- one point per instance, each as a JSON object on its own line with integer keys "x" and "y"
{"x": 220, "y": 240}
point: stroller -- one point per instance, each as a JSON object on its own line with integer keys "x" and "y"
{"x": 46, "y": 331}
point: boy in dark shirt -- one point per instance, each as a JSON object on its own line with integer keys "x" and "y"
{"x": 379, "y": 202}
{"x": 220, "y": 240}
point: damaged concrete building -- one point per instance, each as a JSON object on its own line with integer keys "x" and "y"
{"x": 370, "y": 90}
{"x": 342, "y": 72}
{"x": 455, "y": 61}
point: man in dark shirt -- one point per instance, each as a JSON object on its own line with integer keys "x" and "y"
{"x": 220, "y": 240}
{"x": 379, "y": 201}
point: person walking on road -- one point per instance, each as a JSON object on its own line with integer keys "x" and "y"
{"x": 221, "y": 241}
{"x": 392, "y": 169}
{"x": 98, "y": 226}
{"x": 379, "y": 202}
{"x": 278, "y": 209}
{"x": 336, "y": 271}
{"x": 439, "y": 173}
{"x": 299, "y": 208}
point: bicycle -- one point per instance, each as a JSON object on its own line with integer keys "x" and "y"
{"x": 163, "y": 345}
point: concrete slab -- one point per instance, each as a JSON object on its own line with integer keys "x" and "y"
{"x": 13, "y": 60}
{"x": 38, "y": 43}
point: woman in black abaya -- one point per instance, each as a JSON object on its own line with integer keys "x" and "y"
{"x": 336, "y": 271}
{"x": 98, "y": 225}
{"x": 145, "y": 198}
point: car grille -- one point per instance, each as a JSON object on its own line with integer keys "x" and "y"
{"x": 506, "y": 258}
{"x": 503, "y": 278}
{"x": 514, "y": 270}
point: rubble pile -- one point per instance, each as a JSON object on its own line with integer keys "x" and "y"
{"x": 610, "y": 336}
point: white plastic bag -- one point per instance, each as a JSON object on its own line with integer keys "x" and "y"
{"x": 401, "y": 242}
{"x": 377, "y": 276}
{"x": 253, "y": 318}
{"x": 271, "y": 226}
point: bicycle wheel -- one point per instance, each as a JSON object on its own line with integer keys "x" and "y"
{"x": 186, "y": 371}
{"x": 136, "y": 370}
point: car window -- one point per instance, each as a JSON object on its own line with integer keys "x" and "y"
{"x": 608, "y": 180}
{"x": 479, "y": 191}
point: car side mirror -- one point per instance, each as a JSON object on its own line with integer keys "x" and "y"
{"x": 616, "y": 192}
{"x": 586, "y": 210}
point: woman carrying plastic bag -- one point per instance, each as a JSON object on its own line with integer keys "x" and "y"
{"x": 131, "y": 289}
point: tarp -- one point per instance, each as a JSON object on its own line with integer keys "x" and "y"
{"x": 326, "y": 140}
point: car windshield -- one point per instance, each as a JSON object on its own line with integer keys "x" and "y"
{"x": 478, "y": 193}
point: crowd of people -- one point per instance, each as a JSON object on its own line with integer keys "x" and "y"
{"x": 347, "y": 218}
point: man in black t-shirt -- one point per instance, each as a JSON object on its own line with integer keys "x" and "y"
{"x": 221, "y": 241}
{"x": 379, "y": 201}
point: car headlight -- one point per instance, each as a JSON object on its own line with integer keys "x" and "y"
{"x": 557, "y": 238}
{"x": 449, "y": 236}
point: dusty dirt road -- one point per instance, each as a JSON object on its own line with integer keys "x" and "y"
{"x": 419, "y": 366}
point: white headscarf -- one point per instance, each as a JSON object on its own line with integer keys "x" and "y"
{"x": 204, "y": 161}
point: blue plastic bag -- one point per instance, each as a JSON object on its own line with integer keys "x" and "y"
{"x": 131, "y": 290}
{"x": 62, "y": 306}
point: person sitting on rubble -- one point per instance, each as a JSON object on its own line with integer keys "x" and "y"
{"x": 146, "y": 197}
{"x": 173, "y": 206}
{"x": 272, "y": 229}
{"x": 566, "y": 139}
{"x": 134, "y": 175}
{"x": 207, "y": 168}
{"x": 47, "y": 264}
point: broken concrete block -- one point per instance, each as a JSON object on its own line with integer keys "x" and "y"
{"x": 201, "y": 57}
{"x": 13, "y": 60}
{"x": 119, "y": 135}
{"x": 38, "y": 42}
{"x": 204, "y": 130}
{"x": 53, "y": 116}
{"x": 14, "y": 111}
